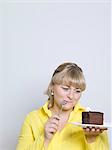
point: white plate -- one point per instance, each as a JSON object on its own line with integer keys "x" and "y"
{"x": 105, "y": 125}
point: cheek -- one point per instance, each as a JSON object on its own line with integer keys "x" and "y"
{"x": 58, "y": 93}
{"x": 77, "y": 96}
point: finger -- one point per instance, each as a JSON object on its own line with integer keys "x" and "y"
{"x": 98, "y": 130}
{"x": 87, "y": 129}
{"x": 93, "y": 129}
{"x": 53, "y": 120}
{"x": 56, "y": 117}
{"x": 53, "y": 125}
{"x": 104, "y": 129}
{"x": 52, "y": 130}
{"x": 101, "y": 130}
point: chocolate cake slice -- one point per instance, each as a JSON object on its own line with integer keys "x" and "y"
{"x": 92, "y": 117}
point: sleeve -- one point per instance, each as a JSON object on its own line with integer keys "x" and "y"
{"x": 26, "y": 139}
{"x": 101, "y": 143}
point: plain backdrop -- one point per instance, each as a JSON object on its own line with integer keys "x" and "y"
{"x": 38, "y": 36}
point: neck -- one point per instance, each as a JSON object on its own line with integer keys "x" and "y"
{"x": 63, "y": 113}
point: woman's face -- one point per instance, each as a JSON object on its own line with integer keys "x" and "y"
{"x": 67, "y": 94}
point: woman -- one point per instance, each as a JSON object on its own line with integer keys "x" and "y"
{"x": 49, "y": 127}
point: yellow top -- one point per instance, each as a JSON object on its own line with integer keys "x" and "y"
{"x": 69, "y": 138}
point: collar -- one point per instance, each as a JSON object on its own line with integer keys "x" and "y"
{"x": 77, "y": 107}
{"x": 46, "y": 110}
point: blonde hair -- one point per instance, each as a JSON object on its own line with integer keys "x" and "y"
{"x": 67, "y": 74}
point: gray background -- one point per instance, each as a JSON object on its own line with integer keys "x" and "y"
{"x": 38, "y": 36}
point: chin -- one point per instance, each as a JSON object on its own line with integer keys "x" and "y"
{"x": 68, "y": 108}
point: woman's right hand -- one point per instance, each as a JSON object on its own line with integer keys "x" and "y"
{"x": 51, "y": 127}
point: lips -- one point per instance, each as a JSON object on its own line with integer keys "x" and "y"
{"x": 66, "y": 102}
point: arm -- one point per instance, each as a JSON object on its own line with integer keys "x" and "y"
{"x": 51, "y": 128}
{"x": 97, "y": 142}
{"x": 27, "y": 140}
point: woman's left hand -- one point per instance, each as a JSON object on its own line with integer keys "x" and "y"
{"x": 92, "y": 132}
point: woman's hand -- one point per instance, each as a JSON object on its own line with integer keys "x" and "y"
{"x": 51, "y": 127}
{"x": 92, "y": 132}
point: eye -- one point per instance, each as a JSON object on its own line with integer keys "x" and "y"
{"x": 78, "y": 91}
{"x": 65, "y": 88}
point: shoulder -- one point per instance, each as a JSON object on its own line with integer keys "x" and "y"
{"x": 39, "y": 114}
{"x": 79, "y": 108}
{"x": 34, "y": 115}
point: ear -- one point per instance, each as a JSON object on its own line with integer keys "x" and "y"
{"x": 52, "y": 93}
{"x": 52, "y": 88}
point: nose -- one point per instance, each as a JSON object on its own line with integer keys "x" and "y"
{"x": 70, "y": 94}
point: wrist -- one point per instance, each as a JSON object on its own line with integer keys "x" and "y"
{"x": 46, "y": 142}
{"x": 91, "y": 139}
